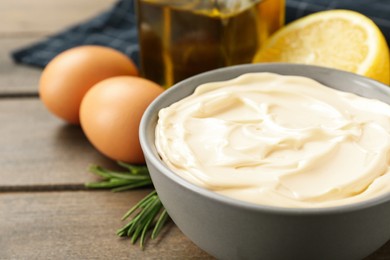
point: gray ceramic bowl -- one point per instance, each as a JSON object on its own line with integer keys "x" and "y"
{"x": 230, "y": 229}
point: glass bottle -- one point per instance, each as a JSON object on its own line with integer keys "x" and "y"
{"x": 181, "y": 38}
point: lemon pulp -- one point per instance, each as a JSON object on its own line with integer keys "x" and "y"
{"x": 340, "y": 39}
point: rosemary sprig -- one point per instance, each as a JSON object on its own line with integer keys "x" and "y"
{"x": 151, "y": 215}
{"x": 136, "y": 176}
{"x": 148, "y": 214}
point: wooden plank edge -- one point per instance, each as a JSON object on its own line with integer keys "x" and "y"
{"x": 43, "y": 187}
{"x": 19, "y": 95}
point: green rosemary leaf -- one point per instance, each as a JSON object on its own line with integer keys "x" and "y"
{"x": 122, "y": 231}
{"x": 136, "y": 233}
{"x": 107, "y": 174}
{"x": 133, "y": 225}
{"x": 120, "y": 181}
{"x": 148, "y": 214}
{"x": 148, "y": 200}
{"x": 134, "y": 169}
{"x": 145, "y": 218}
{"x": 151, "y": 216}
{"x": 97, "y": 170}
{"x": 138, "y": 205}
{"x": 133, "y": 186}
{"x": 152, "y": 209}
{"x": 144, "y": 212}
{"x": 160, "y": 223}
{"x": 144, "y": 230}
{"x": 105, "y": 184}
{"x": 127, "y": 176}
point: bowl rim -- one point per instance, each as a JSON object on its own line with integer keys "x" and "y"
{"x": 153, "y": 158}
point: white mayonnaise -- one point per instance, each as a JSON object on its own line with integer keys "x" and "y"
{"x": 278, "y": 140}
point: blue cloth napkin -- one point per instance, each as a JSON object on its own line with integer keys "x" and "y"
{"x": 116, "y": 28}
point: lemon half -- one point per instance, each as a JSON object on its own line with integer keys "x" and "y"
{"x": 341, "y": 39}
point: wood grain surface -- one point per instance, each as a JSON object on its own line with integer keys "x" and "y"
{"x": 80, "y": 225}
{"x": 16, "y": 79}
{"x": 42, "y": 150}
{"x": 45, "y": 211}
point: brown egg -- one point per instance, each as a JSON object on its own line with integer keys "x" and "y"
{"x": 67, "y": 78}
{"x": 111, "y": 112}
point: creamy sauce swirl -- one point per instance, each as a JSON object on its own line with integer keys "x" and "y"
{"x": 278, "y": 140}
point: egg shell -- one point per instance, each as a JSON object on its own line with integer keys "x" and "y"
{"x": 67, "y": 78}
{"x": 111, "y": 112}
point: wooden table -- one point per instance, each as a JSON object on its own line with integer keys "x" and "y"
{"x": 45, "y": 211}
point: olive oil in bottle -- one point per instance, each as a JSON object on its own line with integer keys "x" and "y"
{"x": 180, "y": 38}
